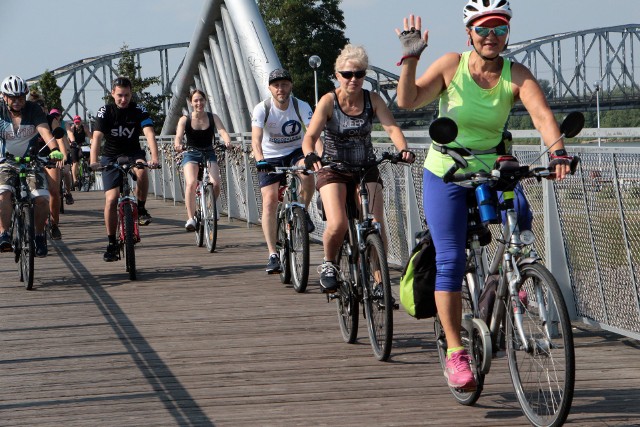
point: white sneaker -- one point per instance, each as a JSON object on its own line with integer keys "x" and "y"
{"x": 191, "y": 224}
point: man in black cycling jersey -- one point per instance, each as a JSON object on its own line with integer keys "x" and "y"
{"x": 120, "y": 124}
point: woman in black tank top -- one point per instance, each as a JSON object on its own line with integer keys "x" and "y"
{"x": 346, "y": 116}
{"x": 199, "y": 128}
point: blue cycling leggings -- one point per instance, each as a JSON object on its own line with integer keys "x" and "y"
{"x": 445, "y": 211}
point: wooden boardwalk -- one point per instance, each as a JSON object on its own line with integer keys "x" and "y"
{"x": 209, "y": 339}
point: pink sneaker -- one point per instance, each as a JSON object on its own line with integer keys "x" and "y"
{"x": 458, "y": 372}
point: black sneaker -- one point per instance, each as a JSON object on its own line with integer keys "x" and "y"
{"x": 111, "y": 254}
{"x": 55, "y": 232}
{"x": 273, "y": 266}
{"x": 5, "y": 242}
{"x": 311, "y": 227}
{"x": 68, "y": 199}
{"x": 144, "y": 218}
{"x": 328, "y": 276}
{"x": 41, "y": 246}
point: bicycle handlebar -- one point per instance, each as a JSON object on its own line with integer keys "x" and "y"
{"x": 480, "y": 177}
{"x": 385, "y": 157}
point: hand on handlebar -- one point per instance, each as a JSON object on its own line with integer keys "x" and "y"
{"x": 312, "y": 161}
{"x": 561, "y": 165}
{"x": 408, "y": 156}
{"x": 95, "y": 166}
{"x": 264, "y": 166}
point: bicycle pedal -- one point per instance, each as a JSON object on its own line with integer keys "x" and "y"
{"x": 396, "y": 306}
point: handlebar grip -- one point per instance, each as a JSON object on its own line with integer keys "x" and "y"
{"x": 448, "y": 176}
{"x": 574, "y": 164}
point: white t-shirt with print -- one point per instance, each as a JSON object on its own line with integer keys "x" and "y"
{"x": 283, "y": 132}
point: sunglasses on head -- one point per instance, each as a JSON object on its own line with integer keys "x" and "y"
{"x": 500, "y": 30}
{"x": 351, "y": 74}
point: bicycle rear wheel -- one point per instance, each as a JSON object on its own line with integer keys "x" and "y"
{"x": 210, "y": 218}
{"x": 27, "y": 247}
{"x": 62, "y": 192}
{"x": 282, "y": 244}
{"x": 347, "y": 300}
{"x": 471, "y": 342}
{"x": 129, "y": 242}
{"x": 378, "y": 305}
{"x": 299, "y": 250}
{"x": 543, "y": 377}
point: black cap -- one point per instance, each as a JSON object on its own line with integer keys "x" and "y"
{"x": 279, "y": 74}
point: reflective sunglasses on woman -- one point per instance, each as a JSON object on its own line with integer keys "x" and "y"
{"x": 500, "y": 30}
{"x": 351, "y": 74}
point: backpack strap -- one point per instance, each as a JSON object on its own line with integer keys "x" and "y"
{"x": 294, "y": 100}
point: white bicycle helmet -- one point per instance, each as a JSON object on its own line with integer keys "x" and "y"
{"x": 14, "y": 86}
{"x": 474, "y": 9}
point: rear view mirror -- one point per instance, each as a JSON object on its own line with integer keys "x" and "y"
{"x": 572, "y": 124}
{"x": 443, "y": 130}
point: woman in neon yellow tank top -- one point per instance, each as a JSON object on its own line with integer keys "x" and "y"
{"x": 477, "y": 89}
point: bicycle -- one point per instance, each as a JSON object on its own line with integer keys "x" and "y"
{"x": 528, "y": 318}
{"x": 127, "y": 231}
{"x": 86, "y": 177}
{"x": 22, "y": 229}
{"x": 363, "y": 271}
{"x": 206, "y": 202}
{"x": 292, "y": 233}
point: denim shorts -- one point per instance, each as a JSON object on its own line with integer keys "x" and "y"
{"x": 265, "y": 179}
{"x": 196, "y": 156}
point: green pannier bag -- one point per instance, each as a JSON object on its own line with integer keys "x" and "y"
{"x": 418, "y": 280}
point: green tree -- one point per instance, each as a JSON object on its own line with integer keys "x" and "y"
{"x": 127, "y": 67}
{"x": 301, "y": 28}
{"x": 48, "y": 88}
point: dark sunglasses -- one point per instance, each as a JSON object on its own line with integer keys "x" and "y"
{"x": 350, "y": 74}
{"x": 500, "y": 30}
{"x": 20, "y": 97}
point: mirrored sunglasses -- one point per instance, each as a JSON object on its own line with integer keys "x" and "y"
{"x": 500, "y": 30}
{"x": 350, "y": 74}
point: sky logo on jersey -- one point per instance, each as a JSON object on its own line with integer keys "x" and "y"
{"x": 121, "y": 131}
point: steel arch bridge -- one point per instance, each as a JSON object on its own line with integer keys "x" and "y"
{"x": 231, "y": 54}
{"x": 86, "y": 82}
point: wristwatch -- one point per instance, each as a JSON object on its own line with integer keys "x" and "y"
{"x": 560, "y": 153}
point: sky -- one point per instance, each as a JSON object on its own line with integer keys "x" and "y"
{"x": 38, "y": 34}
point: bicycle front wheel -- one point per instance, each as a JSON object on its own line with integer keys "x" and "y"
{"x": 299, "y": 250}
{"x": 378, "y": 305}
{"x": 282, "y": 244}
{"x": 27, "y": 247}
{"x": 129, "y": 242}
{"x": 347, "y": 300}
{"x": 210, "y": 218}
{"x": 543, "y": 375}
{"x": 199, "y": 233}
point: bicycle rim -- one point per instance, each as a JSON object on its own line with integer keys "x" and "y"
{"x": 129, "y": 242}
{"x": 210, "y": 220}
{"x": 347, "y": 301}
{"x": 16, "y": 239}
{"x": 471, "y": 343}
{"x": 282, "y": 244}
{"x": 27, "y": 247}
{"x": 543, "y": 378}
{"x": 299, "y": 250}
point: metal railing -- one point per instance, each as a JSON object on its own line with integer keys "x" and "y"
{"x": 587, "y": 226}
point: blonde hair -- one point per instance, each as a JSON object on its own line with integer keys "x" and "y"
{"x": 352, "y": 53}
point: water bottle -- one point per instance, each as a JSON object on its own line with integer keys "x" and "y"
{"x": 487, "y": 204}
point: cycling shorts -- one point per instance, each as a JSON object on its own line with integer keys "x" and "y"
{"x": 111, "y": 178}
{"x": 265, "y": 179}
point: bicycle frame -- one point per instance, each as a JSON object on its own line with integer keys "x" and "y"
{"x": 125, "y": 198}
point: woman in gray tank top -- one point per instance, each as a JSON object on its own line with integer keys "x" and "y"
{"x": 346, "y": 116}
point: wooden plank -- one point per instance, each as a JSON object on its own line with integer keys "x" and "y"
{"x": 204, "y": 339}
